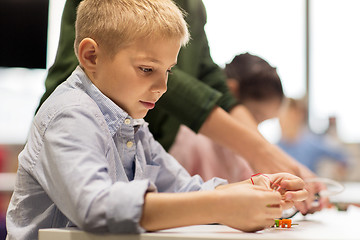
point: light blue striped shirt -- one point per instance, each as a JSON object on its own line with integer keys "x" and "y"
{"x": 88, "y": 164}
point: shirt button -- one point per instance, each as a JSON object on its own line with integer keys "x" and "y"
{"x": 127, "y": 121}
{"x": 129, "y": 144}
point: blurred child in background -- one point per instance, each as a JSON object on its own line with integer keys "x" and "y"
{"x": 306, "y": 147}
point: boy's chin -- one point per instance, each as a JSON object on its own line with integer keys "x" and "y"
{"x": 139, "y": 115}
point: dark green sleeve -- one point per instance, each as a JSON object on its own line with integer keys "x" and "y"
{"x": 65, "y": 61}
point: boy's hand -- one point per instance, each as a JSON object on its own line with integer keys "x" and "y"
{"x": 291, "y": 187}
{"x": 247, "y": 207}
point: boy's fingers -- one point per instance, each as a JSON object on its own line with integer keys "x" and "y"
{"x": 269, "y": 222}
{"x": 302, "y": 207}
{"x": 262, "y": 188}
{"x": 274, "y": 212}
{"x": 293, "y": 184}
{"x": 300, "y": 195}
{"x": 287, "y": 204}
{"x": 272, "y": 199}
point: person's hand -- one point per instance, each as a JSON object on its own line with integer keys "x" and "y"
{"x": 307, "y": 206}
{"x": 291, "y": 188}
{"x": 247, "y": 207}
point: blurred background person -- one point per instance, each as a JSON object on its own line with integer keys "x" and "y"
{"x": 312, "y": 150}
{"x": 258, "y": 89}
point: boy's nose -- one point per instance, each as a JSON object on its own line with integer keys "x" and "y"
{"x": 161, "y": 85}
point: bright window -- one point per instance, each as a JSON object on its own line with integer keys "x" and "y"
{"x": 335, "y": 63}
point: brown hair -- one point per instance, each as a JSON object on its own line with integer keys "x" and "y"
{"x": 113, "y": 24}
{"x": 257, "y": 80}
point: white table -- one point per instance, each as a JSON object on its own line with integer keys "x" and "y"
{"x": 351, "y": 194}
{"x": 325, "y": 225}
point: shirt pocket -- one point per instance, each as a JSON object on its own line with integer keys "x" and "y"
{"x": 149, "y": 172}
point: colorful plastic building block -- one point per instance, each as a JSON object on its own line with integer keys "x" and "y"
{"x": 283, "y": 223}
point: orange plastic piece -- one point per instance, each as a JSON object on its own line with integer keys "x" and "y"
{"x": 285, "y": 222}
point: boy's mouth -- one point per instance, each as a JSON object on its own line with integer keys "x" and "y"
{"x": 148, "y": 105}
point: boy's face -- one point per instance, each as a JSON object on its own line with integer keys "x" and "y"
{"x": 137, "y": 75}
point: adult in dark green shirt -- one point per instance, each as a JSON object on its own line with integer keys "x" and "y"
{"x": 197, "y": 96}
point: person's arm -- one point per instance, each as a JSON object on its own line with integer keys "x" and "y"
{"x": 244, "y": 116}
{"x": 260, "y": 154}
{"x": 241, "y": 205}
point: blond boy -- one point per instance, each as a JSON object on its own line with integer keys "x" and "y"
{"x": 90, "y": 160}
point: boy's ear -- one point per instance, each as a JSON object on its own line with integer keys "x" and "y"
{"x": 87, "y": 54}
{"x": 233, "y": 86}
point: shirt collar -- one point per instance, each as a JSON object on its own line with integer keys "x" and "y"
{"x": 113, "y": 114}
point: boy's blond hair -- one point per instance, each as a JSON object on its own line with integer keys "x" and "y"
{"x": 113, "y": 24}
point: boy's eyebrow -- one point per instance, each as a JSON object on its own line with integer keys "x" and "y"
{"x": 154, "y": 60}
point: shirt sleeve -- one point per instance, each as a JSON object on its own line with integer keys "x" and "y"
{"x": 74, "y": 172}
{"x": 191, "y": 100}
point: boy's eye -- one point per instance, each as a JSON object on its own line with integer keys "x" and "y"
{"x": 145, "y": 70}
